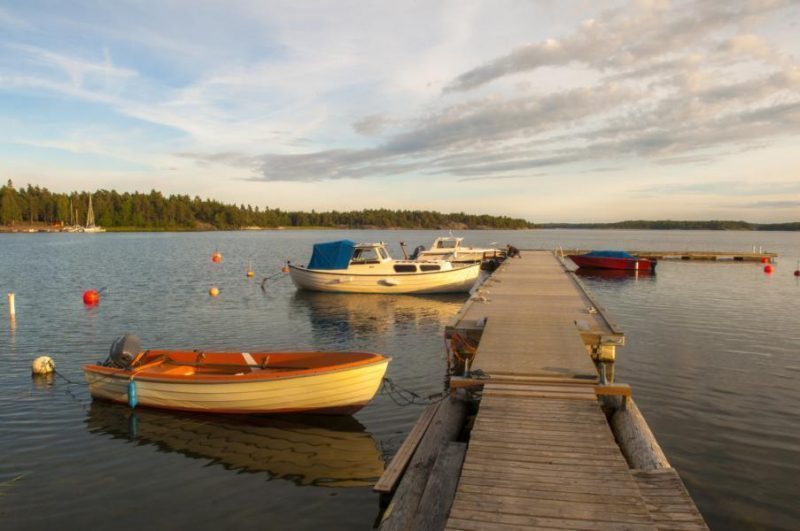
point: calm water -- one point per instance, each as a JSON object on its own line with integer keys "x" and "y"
{"x": 713, "y": 354}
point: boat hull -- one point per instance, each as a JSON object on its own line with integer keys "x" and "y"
{"x": 331, "y": 391}
{"x": 457, "y": 280}
{"x": 630, "y": 264}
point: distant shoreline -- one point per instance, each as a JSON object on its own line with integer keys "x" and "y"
{"x": 43, "y": 228}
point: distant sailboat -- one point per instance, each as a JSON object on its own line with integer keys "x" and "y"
{"x": 90, "y": 226}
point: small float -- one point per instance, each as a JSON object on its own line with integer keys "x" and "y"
{"x": 237, "y": 382}
{"x": 347, "y": 267}
{"x": 612, "y": 260}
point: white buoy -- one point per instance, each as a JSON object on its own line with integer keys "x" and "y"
{"x": 43, "y": 365}
{"x": 12, "y": 308}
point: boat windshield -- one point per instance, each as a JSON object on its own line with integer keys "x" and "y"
{"x": 383, "y": 253}
{"x": 446, "y": 244}
{"x": 365, "y": 255}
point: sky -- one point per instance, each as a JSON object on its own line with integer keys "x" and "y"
{"x": 553, "y": 111}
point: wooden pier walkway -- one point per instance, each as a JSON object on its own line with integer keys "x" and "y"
{"x": 541, "y": 452}
{"x": 713, "y": 256}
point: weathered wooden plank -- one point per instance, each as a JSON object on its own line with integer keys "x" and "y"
{"x": 552, "y": 480}
{"x": 556, "y": 509}
{"x": 669, "y": 502}
{"x": 551, "y": 485}
{"x": 445, "y": 426}
{"x": 598, "y": 497}
{"x": 441, "y": 488}
{"x": 388, "y": 480}
{"x": 506, "y": 522}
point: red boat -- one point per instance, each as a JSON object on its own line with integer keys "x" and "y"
{"x": 612, "y": 260}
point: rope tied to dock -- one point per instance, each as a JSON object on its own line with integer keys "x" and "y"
{"x": 406, "y": 397}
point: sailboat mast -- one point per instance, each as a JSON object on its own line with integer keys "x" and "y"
{"x": 90, "y": 214}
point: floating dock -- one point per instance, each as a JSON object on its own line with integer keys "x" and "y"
{"x": 550, "y": 440}
{"x": 713, "y": 256}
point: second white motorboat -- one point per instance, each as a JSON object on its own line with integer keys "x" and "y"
{"x": 347, "y": 267}
{"x": 449, "y": 248}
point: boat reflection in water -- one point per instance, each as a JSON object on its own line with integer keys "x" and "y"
{"x": 351, "y": 314}
{"x": 619, "y": 275}
{"x": 321, "y": 451}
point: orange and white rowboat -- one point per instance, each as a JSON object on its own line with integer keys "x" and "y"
{"x": 245, "y": 383}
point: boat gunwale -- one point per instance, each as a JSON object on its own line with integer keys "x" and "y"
{"x": 257, "y": 376}
{"x": 347, "y": 272}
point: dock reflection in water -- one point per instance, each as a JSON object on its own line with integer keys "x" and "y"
{"x": 619, "y": 275}
{"x": 350, "y": 314}
{"x": 306, "y": 449}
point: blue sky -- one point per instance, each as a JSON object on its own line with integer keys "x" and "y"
{"x": 551, "y": 111}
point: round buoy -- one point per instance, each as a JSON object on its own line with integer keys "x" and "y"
{"x": 285, "y": 269}
{"x": 764, "y": 260}
{"x": 250, "y": 274}
{"x": 91, "y": 297}
{"x": 768, "y": 269}
{"x": 797, "y": 273}
{"x": 43, "y": 365}
{"x": 213, "y": 291}
{"x": 216, "y": 257}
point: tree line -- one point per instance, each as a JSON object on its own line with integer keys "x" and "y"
{"x": 154, "y": 211}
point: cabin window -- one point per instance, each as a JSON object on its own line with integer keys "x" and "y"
{"x": 365, "y": 256}
{"x": 446, "y": 244}
{"x": 383, "y": 253}
{"x": 429, "y": 267}
{"x": 405, "y": 268}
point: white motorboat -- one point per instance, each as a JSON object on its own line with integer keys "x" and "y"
{"x": 347, "y": 267}
{"x": 449, "y": 248}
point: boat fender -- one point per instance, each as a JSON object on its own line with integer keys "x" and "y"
{"x": 132, "y": 400}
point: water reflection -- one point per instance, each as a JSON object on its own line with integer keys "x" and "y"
{"x": 346, "y": 315}
{"x": 308, "y": 450}
{"x": 617, "y": 275}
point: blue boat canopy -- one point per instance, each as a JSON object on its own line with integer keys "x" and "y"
{"x": 610, "y": 254}
{"x": 332, "y": 255}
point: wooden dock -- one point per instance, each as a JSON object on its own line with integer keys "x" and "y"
{"x": 544, "y": 449}
{"x": 713, "y": 256}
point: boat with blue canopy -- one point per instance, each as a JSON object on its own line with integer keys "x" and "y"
{"x": 349, "y": 267}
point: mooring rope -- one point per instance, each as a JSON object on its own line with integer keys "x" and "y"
{"x": 402, "y": 396}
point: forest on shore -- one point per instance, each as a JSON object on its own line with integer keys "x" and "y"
{"x": 153, "y": 211}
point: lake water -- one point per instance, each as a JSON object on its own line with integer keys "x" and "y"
{"x": 713, "y": 355}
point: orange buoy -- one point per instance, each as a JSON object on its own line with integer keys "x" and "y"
{"x": 250, "y": 273}
{"x": 216, "y": 257}
{"x": 764, "y": 260}
{"x": 214, "y": 291}
{"x": 91, "y": 297}
{"x": 285, "y": 269}
{"x": 768, "y": 269}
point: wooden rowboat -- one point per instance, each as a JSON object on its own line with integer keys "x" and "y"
{"x": 244, "y": 383}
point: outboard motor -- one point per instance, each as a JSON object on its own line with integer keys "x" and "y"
{"x": 123, "y": 351}
{"x": 418, "y": 249}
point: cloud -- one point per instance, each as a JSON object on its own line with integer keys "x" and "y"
{"x": 772, "y": 204}
{"x": 370, "y": 125}
{"x": 722, "y": 188}
{"x": 621, "y": 38}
